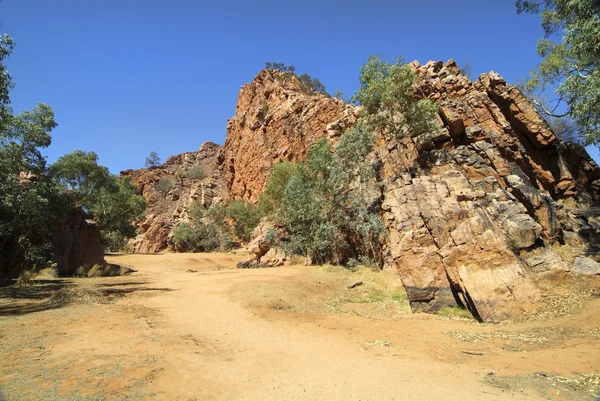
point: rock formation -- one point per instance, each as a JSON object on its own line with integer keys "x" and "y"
{"x": 276, "y": 120}
{"x": 474, "y": 211}
{"x": 77, "y": 243}
{"x": 171, "y": 206}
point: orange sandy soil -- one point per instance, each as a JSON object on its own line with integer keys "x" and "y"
{"x": 193, "y": 327}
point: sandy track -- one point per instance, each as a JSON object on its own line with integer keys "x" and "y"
{"x": 176, "y": 334}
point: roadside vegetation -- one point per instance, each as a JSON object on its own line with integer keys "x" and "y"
{"x": 34, "y": 197}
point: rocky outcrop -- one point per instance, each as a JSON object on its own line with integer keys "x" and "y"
{"x": 276, "y": 120}
{"x": 474, "y": 210}
{"x": 77, "y": 243}
{"x": 472, "y": 214}
{"x": 186, "y": 179}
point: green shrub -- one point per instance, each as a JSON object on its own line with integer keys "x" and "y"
{"x": 322, "y": 201}
{"x": 164, "y": 185}
{"x": 207, "y": 231}
{"x": 245, "y": 218}
{"x": 390, "y": 101}
{"x": 195, "y": 173}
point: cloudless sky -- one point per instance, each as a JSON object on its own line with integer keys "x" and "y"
{"x": 127, "y": 77}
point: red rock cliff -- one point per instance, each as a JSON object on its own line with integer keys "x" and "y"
{"x": 473, "y": 211}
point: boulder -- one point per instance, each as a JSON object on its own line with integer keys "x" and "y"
{"x": 586, "y": 266}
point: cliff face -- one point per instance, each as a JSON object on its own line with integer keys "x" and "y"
{"x": 276, "y": 120}
{"x": 474, "y": 212}
{"x": 169, "y": 207}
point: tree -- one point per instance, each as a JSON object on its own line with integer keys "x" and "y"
{"x": 152, "y": 160}
{"x": 6, "y": 48}
{"x": 29, "y": 207}
{"x": 116, "y": 208}
{"x": 390, "y": 101}
{"x": 570, "y": 53}
{"x": 115, "y": 203}
{"x": 79, "y": 171}
{"x": 312, "y": 85}
{"x": 325, "y": 205}
{"x": 280, "y": 67}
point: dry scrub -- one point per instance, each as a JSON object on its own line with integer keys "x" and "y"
{"x": 76, "y": 294}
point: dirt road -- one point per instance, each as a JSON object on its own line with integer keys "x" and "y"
{"x": 191, "y": 327}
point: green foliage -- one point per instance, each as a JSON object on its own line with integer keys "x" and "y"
{"x": 164, "y": 185}
{"x": 6, "y": 48}
{"x": 324, "y": 203}
{"x": 29, "y": 209}
{"x": 116, "y": 206}
{"x": 280, "y": 67}
{"x": 195, "y": 173}
{"x": 79, "y": 171}
{"x": 114, "y": 241}
{"x": 390, "y": 102}
{"x": 245, "y": 218}
{"x": 22, "y": 136}
{"x": 152, "y": 160}
{"x": 114, "y": 203}
{"x": 570, "y": 54}
{"x": 312, "y": 85}
{"x": 207, "y": 232}
{"x": 270, "y": 200}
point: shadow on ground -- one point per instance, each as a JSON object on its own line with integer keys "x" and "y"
{"x": 29, "y": 299}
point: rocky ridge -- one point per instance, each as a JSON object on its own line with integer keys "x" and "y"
{"x": 167, "y": 209}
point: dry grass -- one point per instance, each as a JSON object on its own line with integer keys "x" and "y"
{"x": 48, "y": 273}
{"x": 297, "y": 260}
{"x": 559, "y": 298}
{"x": 98, "y": 270}
{"x": 25, "y": 279}
{"x": 569, "y": 251}
{"x": 76, "y": 294}
{"x": 582, "y": 386}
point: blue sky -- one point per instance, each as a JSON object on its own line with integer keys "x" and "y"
{"x": 127, "y": 77}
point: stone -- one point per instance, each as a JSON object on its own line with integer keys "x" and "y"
{"x": 586, "y": 266}
{"x": 77, "y": 243}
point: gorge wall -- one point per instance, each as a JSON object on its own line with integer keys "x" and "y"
{"x": 168, "y": 208}
{"x": 474, "y": 212}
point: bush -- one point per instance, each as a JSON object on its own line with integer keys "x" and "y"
{"x": 323, "y": 201}
{"x": 245, "y": 218}
{"x": 113, "y": 241}
{"x": 207, "y": 231}
{"x": 164, "y": 185}
{"x": 195, "y": 173}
